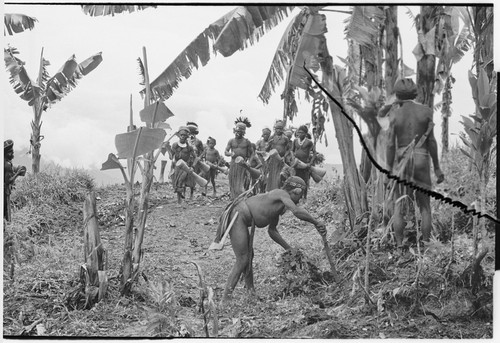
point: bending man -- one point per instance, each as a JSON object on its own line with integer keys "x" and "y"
{"x": 263, "y": 210}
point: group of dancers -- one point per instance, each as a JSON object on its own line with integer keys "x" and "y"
{"x": 271, "y": 160}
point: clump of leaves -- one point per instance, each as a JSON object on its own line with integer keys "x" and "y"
{"x": 162, "y": 318}
{"x": 298, "y": 273}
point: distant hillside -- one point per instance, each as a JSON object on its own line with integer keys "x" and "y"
{"x": 110, "y": 177}
{"x": 102, "y": 178}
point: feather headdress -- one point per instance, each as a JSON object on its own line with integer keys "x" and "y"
{"x": 242, "y": 120}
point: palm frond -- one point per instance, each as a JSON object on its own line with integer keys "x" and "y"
{"x": 105, "y": 10}
{"x": 363, "y": 25}
{"x": 65, "y": 80}
{"x": 16, "y": 23}
{"x": 18, "y": 76}
{"x": 236, "y": 30}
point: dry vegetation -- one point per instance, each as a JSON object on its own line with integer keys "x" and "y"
{"x": 297, "y": 298}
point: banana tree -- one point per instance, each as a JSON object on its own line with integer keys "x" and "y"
{"x": 132, "y": 145}
{"x": 481, "y": 131}
{"x": 45, "y": 90}
{"x": 17, "y": 23}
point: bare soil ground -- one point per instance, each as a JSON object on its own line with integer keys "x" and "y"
{"x": 296, "y": 295}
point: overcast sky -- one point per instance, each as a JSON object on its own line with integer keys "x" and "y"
{"x": 79, "y": 130}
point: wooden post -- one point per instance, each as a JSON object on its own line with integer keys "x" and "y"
{"x": 93, "y": 271}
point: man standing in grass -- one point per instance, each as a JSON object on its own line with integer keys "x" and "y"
{"x": 10, "y": 174}
{"x": 411, "y": 122}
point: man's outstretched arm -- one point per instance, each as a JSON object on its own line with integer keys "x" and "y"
{"x": 302, "y": 214}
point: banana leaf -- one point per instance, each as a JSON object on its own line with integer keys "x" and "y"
{"x": 111, "y": 163}
{"x": 104, "y": 10}
{"x": 162, "y": 113}
{"x": 66, "y": 78}
{"x": 18, "y": 76}
{"x": 139, "y": 142}
{"x": 17, "y": 23}
{"x": 234, "y": 31}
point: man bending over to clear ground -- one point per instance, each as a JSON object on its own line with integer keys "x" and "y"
{"x": 262, "y": 210}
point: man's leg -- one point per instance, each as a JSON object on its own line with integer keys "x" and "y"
{"x": 162, "y": 170}
{"x": 399, "y": 223}
{"x": 424, "y": 204}
{"x": 239, "y": 243}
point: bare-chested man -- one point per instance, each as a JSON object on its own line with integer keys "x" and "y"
{"x": 263, "y": 210}
{"x": 261, "y": 146}
{"x": 303, "y": 149}
{"x": 238, "y": 146}
{"x": 410, "y": 121}
{"x": 262, "y": 143}
{"x": 282, "y": 144}
{"x": 212, "y": 156}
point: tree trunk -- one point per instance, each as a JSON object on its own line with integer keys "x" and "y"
{"x": 426, "y": 66}
{"x": 93, "y": 271}
{"x": 354, "y": 186}
{"x": 446, "y": 113}
{"x": 147, "y": 181}
{"x": 36, "y": 138}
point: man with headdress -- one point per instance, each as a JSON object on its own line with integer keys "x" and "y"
{"x": 411, "y": 122}
{"x": 10, "y": 174}
{"x": 213, "y": 159}
{"x": 239, "y": 146}
{"x": 303, "y": 150}
{"x": 181, "y": 150}
{"x": 282, "y": 145}
{"x": 262, "y": 210}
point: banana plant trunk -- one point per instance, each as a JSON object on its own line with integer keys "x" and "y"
{"x": 354, "y": 186}
{"x": 36, "y": 137}
{"x": 126, "y": 272}
{"x": 147, "y": 180}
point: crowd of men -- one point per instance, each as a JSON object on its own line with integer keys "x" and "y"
{"x": 271, "y": 160}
